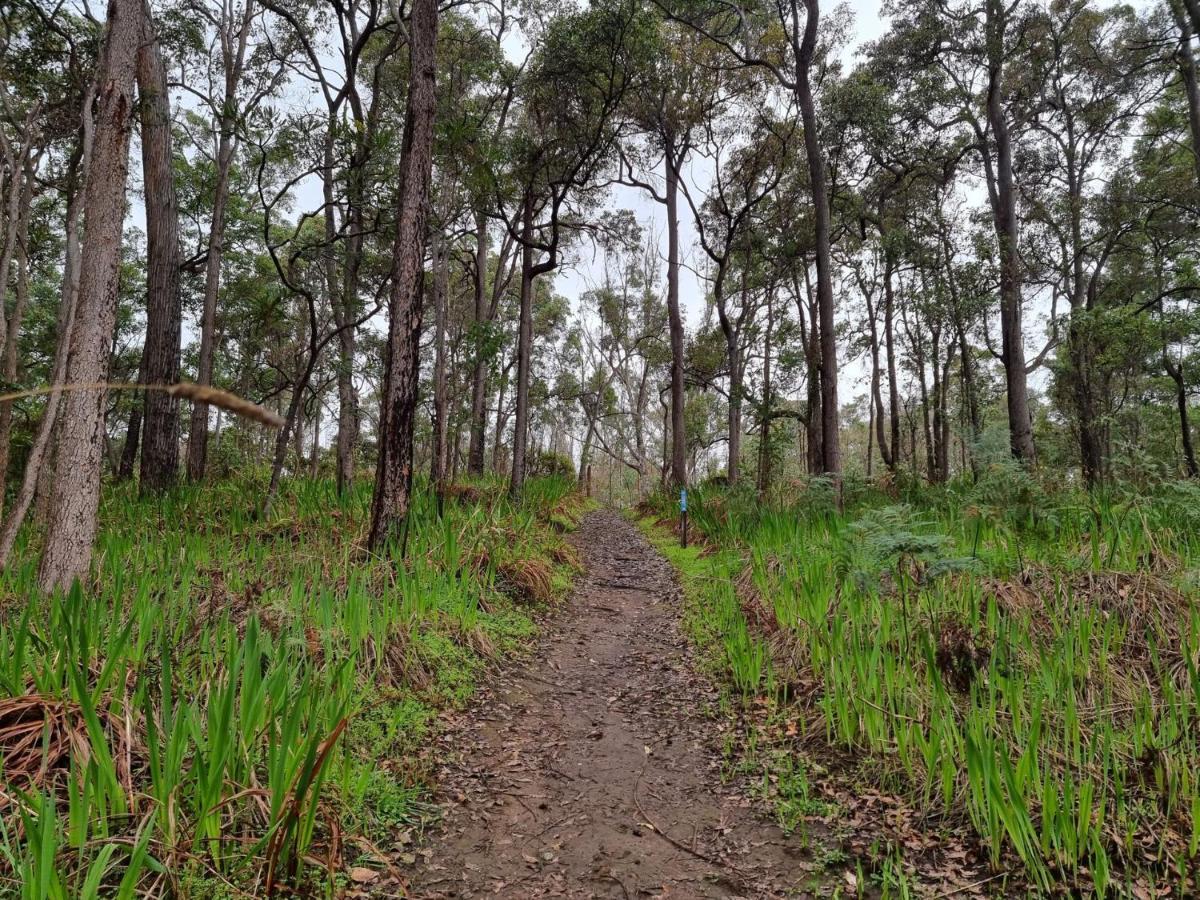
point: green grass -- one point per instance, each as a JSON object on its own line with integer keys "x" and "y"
{"x": 231, "y": 703}
{"x": 1017, "y": 662}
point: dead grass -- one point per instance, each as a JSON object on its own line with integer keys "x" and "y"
{"x": 529, "y": 580}
{"x": 40, "y": 738}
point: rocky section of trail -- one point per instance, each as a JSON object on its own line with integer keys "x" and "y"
{"x": 593, "y": 769}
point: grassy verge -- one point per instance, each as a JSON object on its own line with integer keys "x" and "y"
{"x": 231, "y": 706}
{"x": 1016, "y": 668}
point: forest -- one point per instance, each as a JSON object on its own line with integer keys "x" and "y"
{"x": 599, "y": 448}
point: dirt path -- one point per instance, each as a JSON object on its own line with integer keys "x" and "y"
{"x": 571, "y": 762}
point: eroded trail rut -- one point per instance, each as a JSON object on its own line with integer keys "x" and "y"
{"x": 569, "y": 763}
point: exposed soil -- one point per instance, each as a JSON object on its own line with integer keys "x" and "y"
{"x": 593, "y": 769}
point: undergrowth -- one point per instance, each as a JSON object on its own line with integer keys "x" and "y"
{"x": 1018, "y": 663}
{"x": 232, "y": 706}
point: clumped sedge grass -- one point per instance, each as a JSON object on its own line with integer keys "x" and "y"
{"x": 229, "y": 702}
{"x": 1024, "y": 662}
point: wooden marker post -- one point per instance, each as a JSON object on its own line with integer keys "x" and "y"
{"x": 683, "y": 514}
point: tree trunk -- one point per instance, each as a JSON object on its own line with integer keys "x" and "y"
{"x": 11, "y": 357}
{"x": 831, "y": 455}
{"x": 164, "y": 302}
{"x": 733, "y": 470}
{"x": 133, "y": 431}
{"x": 441, "y": 287}
{"x": 76, "y": 493}
{"x": 524, "y": 351}
{"x": 226, "y": 145}
{"x": 678, "y": 432}
{"x": 764, "y": 436}
{"x": 475, "y": 450}
{"x": 889, "y": 340}
{"x": 393, "y": 474}
{"x": 497, "y": 442}
{"x": 1004, "y": 215}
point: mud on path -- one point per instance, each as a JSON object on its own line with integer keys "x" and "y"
{"x": 591, "y": 769}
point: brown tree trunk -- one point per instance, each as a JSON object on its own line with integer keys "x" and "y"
{"x": 889, "y": 340}
{"x": 524, "y": 351}
{"x": 679, "y": 477}
{"x": 1004, "y": 216}
{"x": 475, "y": 450}
{"x": 233, "y": 57}
{"x": 441, "y": 401}
{"x": 164, "y": 302}
{"x": 831, "y": 455}
{"x": 37, "y": 482}
{"x": 133, "y": 431}
{"x": 76, "y": 494}
{"x": 393, "y": 474}
{"x": 10, "y": 358}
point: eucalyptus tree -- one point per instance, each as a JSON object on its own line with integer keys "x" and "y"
{"x": 394, "y": 469}
{"x": 744, "y": 175}
{"x": 230, "y": 52}
{"x": 1094, "y": 78}
{"x": 76, "y": 493}
{"x": 683, "y": 90}
{"x": 782, "y": 38}
{"x": 563, "y": 135}
{"x": 164, "y": 303}
{"x": 970, "y": 58}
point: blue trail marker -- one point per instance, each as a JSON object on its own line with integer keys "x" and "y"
{"x": 683, "y": 516}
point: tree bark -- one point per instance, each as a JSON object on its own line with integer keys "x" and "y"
{"x": 164, "y": 302}
{"x": 679, "y": 477}
{"x": 393, "y": 474}
{"x": 831, "y": 455}
{"x": 1004, "y": 217}
{"x": 475, "y": 450}
{"x": 76, "y": 494}
{"x": 10, "y": 361}
{"x": 441, "y": 401}
{"x": 524, "y": 351}
{"x": 234, "y": 57}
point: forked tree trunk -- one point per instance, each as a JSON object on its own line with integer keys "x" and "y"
{"x": 76, "y": 494}
{"x": 393, "y": 474}
{"x": 164, "y": 304}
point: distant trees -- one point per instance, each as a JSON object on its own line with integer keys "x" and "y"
{"x": 982, "y": 228}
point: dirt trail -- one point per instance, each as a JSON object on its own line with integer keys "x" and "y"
{"x": 569, "y": 762}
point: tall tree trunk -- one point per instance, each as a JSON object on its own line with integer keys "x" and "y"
{"x": 831, "y": 454}
{"x": 475, "y": 450}
{"x": 764, "y": 436}
{"x": 889, "y": 340}
{"x": 164, "y": 302}
{"x": 678, "y": 395}
{"x": 10, "y": 358}
{"x": 876, "y": 416}
{"x": 1004, "y": 216}
{"x": 76, "y": 495}
{"x": 524, "y": 351}
{"x": 233, "y": 58}
{"x": 497, "y": 440}
{"x": 441, "y": 401}
{"x": 393, "y": 474}
{"x": 1186, "y": 23}
{"x": 133, "y": 431}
